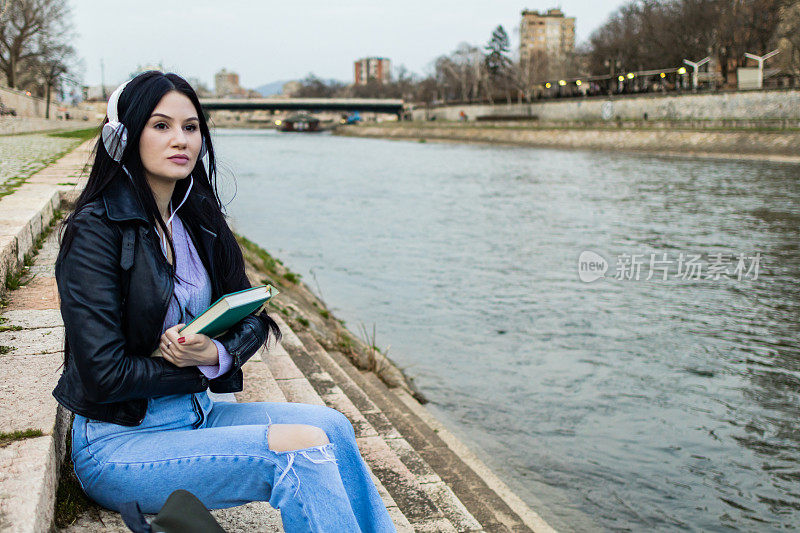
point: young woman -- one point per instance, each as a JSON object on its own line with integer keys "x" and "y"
{"x": 146, "y": 249}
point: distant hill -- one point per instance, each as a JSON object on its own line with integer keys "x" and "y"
{"x": 276, "y": 87}
{"x": 269, "y": 89}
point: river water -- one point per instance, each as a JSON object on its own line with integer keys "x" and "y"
{"x": 616, "y": 404}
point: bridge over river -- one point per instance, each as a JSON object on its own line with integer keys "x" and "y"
{"x": 374, "y": 105}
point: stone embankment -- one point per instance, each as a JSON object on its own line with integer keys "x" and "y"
{"x": 772, "y": 104}
{"x": 722, "y": 143}
{"x": 428, "y": 479}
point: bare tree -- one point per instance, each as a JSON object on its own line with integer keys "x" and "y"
{"x": 529, "y": 72}
{"x": 52, "y": 68}
{"x": 33, "y": 33}
{"x": 667, "y": 31}
{"x": 313, "y": 87}
{"x": 469, "y": 62}
{"x": 789, "y": 38}
{"x": 458, "y": 75}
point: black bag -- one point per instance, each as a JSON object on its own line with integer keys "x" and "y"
{"x": 182, "y": 513}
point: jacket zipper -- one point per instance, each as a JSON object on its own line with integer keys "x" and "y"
{"x": 170, "y": 287}
{"x": 199, "y": 411}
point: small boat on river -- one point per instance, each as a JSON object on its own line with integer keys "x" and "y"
{"x": 299, "y": 122}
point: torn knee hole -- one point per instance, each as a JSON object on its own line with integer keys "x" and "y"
{"x": 290, "y": 437}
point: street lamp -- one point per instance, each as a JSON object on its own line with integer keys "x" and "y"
{"x": 630, "y": 75}
{"x": 761, "y": 60}
{"x": 695, "y": 66}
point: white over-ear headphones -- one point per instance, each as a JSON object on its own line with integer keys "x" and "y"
{"x": 115, "y": 135}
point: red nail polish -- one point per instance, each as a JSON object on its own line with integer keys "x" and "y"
{"x": 180, "y": 340}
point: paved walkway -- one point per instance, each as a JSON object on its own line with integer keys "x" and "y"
{"x": 429, "y": 481}
{"x": 22, "y": 155}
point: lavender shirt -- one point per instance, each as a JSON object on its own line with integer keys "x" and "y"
{"x": 193, "y": 295}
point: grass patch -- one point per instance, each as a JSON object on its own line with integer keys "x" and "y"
{"x": 8, "y": 438}
{"x": 268, "y": 281}
{"x": 10, "y": 328}
{"x": 71, "y": 501}
{"x": 82, "y": 135}
{"x": 11, "y": 185}
{"x": 268, "y": 263}
{"x": 6, "y": 349}
{"x": 345, "y": 343}
{"x": 67, "y": 183}
{"x": 58, "y": 214}
{"x": 14, "y": 281}
{"x": 374, "y": 363}
{"x": 303, "y": 321}
{"x": 324, "y": 313}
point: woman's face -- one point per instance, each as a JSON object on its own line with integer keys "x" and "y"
{"x": 171, "y": 140}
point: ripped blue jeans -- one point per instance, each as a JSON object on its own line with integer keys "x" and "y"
{"x": 219, "y": 452}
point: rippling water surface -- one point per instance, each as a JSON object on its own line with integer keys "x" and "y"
{"x": 617, "y": 404}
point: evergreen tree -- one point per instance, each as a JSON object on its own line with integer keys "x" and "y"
{"x": 497, "y": 60}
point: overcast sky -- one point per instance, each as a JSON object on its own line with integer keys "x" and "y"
{"x": 267, "y": 41}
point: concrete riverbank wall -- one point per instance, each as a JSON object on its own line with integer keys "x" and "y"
{"x": 744, "y": 105}
{"x": 776, "y": 146}
{"x": 25, "y": 105}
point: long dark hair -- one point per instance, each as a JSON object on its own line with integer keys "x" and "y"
{"x": 136, "y": 103}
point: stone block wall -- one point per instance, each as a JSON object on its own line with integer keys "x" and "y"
{"x": 741, "y": 105}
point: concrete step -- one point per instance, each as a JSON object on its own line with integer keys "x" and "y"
{"x": 26, "y": 212}
{"x": 490, "y": 505}
{"x": 489, "y": 500}
{"x": 296, "y": 388}
{"x": 254, "y": 516}
{"x": 442, "y": 495}
{"x": 261, "y": 385}
{"x": 420, "y": 494}
{"x": 29, "y": 467}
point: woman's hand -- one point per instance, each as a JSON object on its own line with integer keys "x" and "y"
{"x": 194, "y": 349}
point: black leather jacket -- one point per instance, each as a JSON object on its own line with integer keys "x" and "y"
{"x": 115, "y": 288}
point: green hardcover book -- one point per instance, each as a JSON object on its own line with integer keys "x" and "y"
{"x": 227, "y": 311}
